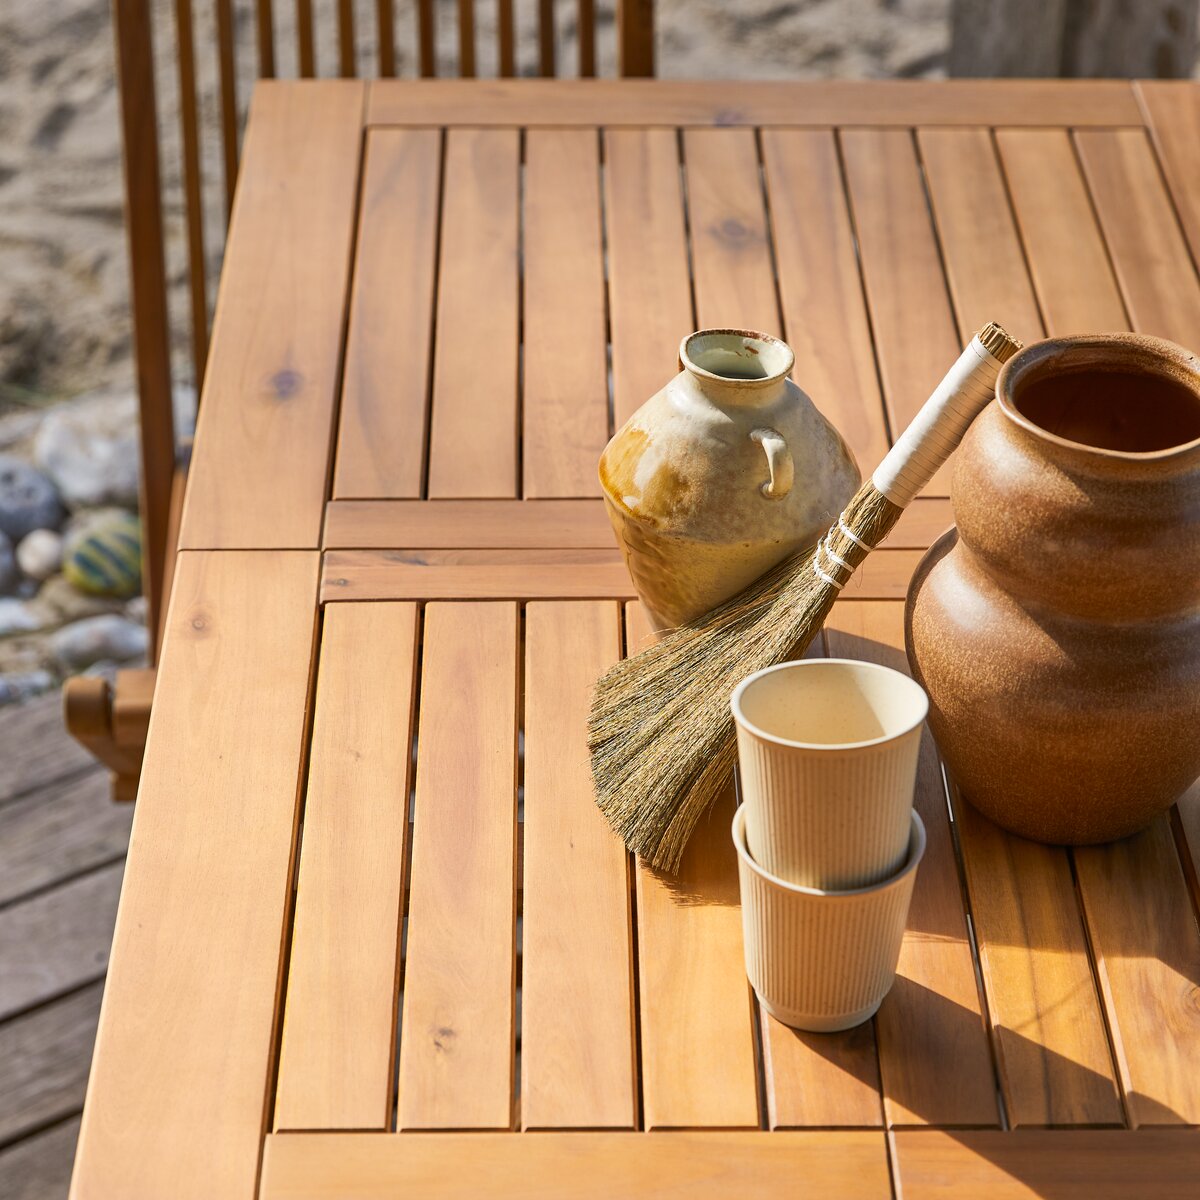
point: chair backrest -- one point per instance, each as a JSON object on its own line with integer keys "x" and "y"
{"x": 305, "y": 33}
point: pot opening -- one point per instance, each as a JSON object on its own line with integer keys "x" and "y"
{"x": 1135, "y": 412}
{"x": 736, "y": 354}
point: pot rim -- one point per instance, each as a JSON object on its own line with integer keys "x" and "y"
{"x": 690, "y": 365}
{"x": 1157, "y": 355}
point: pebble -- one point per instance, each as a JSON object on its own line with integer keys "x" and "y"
{"x": 90, "y": 449}
{"x": 106, "y": 558}
{"x": 40, "y": 554}
{"x": 17, "y": 617}
{"x": 28, "y": 499}
{"x": 8, "y": 564}
{"x": 19, "y": 686}
{"x": 97, "y": 638}
{"x": 62, "y": 603}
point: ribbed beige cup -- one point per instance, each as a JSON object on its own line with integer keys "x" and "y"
{"x": 827, "y": 750}
{"x": 823, "y": 960}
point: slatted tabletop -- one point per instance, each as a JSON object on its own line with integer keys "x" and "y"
{"x": 374, "y": 938}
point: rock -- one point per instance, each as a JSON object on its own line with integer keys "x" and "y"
{"x": 16, "y": 616}
{"x": 97, "y": 638}
{"x": 62, "y": 603}
{"x": 90, "y": 449}
{"x": 8, "y": 564}
{"x": 28, "y": 499}
{"x": 106, "y": 559}
{"x": 40, "y": 554}
{"x": 19, "y": 686}
{"x": 136, "y": 609}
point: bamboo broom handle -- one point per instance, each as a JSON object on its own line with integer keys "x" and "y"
{"x": 945, "y": 417}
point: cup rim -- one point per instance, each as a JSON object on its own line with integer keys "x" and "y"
{"x": 917, "y": 841}
{"x": 740, "y": 718}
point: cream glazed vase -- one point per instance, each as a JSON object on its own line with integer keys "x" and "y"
{"x": 724, "y": 472}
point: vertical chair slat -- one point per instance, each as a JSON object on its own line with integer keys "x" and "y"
{"x": 192, "y": 188}
{"x": 587, "y": 38}
{"x": 387, "y": 38}
{"x": 229, "y": 121}
{"x": 427, "y": 55}
{"x": 346, "y": 61}
{"x": 266, "y": 39}
{"x": 466, "y": 38}
{"x": 304, "y": 38}
{"x": 546, "y": 38}
{"x": 148, "y": 291}
{"x": 635, "y": 37}
{"x": 504, "y": 22}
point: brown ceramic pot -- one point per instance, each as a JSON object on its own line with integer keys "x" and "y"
{"x": 1057, "y": 631}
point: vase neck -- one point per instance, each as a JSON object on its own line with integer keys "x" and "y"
{"x": 737, "y": 367}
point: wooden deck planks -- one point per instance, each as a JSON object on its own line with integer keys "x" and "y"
{"x": 714, "y": 1165}
{"x": 564, "y": 408}
{"x": 263, "y": 439}
{"x": 457, "y": 1028}
{"x": 38, "y": 751}
{"x": 578, "y": 1050}
{"x": 1149, "y": 255}
{"x": 1173, "y": 119}
{"x": 935, "y": 1062}
{"x": 177, "y": 1097}
{"x": 649, "y": 288}
{"x": 1068, "y": 262}
{"x": 336, "y": 1065}
{"x": 916, "y": 341}
{"x": 40, "y": 1167}
{"x": 699, "y": 1058}
{"x": 382, "y": 433}
{"x": 473, "y": 431}
{"x": 824, "y": 312}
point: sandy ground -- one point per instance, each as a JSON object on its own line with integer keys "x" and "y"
{"x": 64, "y": 324}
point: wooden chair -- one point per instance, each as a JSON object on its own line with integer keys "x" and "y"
{"x": 111, "y": 721}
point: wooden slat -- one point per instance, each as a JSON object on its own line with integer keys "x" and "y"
{"x": 413, "y": 524}
{"x": 713, "y": 1165}
{"x": 457, "y": 1029}
{"x": 265, "y": 29}
{"x": 44, "y": 1057}
{"x": 1048, "y": 1030}
{"x": 1147, "y": 952}
{"x": 347, "y": 66}
{"x": 178, "y": 1091}
{"x": 385, "y": 18}
{"x": 577, "y": 1034}
{"x": 640, "y": 102}
{"x": 565, "y": 402}
{"x": 546, "y": 38}
{"x": 699, "y": 1058}
{"x": 57, "y": 940}
{"x": 556, "y": 574}
{"x": 506, "y": 56}
{"x": 985, "y": 265}
{"x": 586, "y": 25}
{"x": 39, "y": 1168}
{"x": 466, "y": 38}
{"x": 915, "y": 342}
{"x": 1067, "y": 259}
{"x": 824, "y": 312}
{"x": 385, "y": 390}
{"x": 304, "y": 39}
{"x": 1149, "y": 255}
{"x": 59, "y": 831}
{"x": 229, "y": 112}
{"x": 1173, "y": 119}
{"x": 336, "y": 1066}
{"x": 258, "y": 475}
{"x": 1187, "y": 822}
{"x": 38, "y": 749}
{"x": 933, "y": 1048}
{"x": 426, "y": 34}
{"x": 473, "y": 435}
{"x": 731, "y": 252}
{"x": 650, "y": 297}
{"x": 1043, "y": 1165}
{"x": 635, "y": 37}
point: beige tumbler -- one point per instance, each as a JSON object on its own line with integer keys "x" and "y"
{"x": 827, "y": 750}
{"x": 823, "y": 960}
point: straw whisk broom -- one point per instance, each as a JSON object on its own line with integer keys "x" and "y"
{"x": 660, "y": 730}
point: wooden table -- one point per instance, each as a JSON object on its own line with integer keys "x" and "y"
{"x": 393, "y": 539}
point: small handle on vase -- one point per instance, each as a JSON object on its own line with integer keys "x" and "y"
{"x": 779, "y": 463}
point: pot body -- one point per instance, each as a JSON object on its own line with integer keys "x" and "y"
{"x": 720, "y": 475}
{"x": 1057, "y": 630}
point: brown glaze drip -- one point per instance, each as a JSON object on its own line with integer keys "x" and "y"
{"x": 1134, "y": 413}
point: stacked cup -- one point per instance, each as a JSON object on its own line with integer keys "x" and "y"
{"x": 827, "y": 839}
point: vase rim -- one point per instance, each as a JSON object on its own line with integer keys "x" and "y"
{"x": 762, "y": 351}
{"x": 1130, "y": 351}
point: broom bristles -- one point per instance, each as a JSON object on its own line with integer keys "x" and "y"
{"x": 660, "y": 730}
